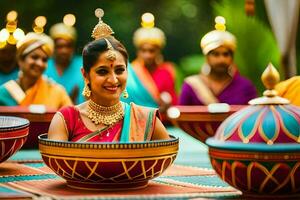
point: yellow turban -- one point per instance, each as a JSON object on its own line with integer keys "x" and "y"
{"x": 148, "y": 33}
{"x": 217, "y": 38}
{"x": 32, "y": 41}
{"x": 63, "y": 31}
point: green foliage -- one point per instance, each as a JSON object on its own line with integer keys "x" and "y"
{"x": 183, "y": 21}
{"x": 256, "y": 45}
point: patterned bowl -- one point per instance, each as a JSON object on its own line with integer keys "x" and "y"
{"x": 258, "y": 170}
{"x": 256, "y": 149}
{"x": 39, "y": 122}
{"x": 108, "y": 166}
{"x": 198, "y": 122}
{"x": 13, "y": 134}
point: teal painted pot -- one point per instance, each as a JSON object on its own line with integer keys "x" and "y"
{"x": 257, "y": 150}
{"x": 268, "y": 124}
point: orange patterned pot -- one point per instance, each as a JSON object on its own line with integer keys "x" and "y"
{"x": 257, "y": 170}
{"x": 198, "y": 122}
{"x": 13, "y": 134}
{"x": 108, "y": 166}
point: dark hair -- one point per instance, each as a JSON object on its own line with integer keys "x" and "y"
{"x": 92, "y": 51}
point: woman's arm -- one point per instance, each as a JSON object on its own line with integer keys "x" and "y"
{"x": 160, "y": 132}
{"x": 57, "y": 129}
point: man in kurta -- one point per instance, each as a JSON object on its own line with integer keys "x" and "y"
{"x": 156, "y": 76}
{"x": 219, "y": 80}
{"x": 64, "y": 67}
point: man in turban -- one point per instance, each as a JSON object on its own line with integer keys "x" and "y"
{"x": 219, "y": 80}
{"x": 157, "y": 76}
{"x": 64, "y": 67}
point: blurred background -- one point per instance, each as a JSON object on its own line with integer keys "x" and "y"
{"x": 183, "y": 21}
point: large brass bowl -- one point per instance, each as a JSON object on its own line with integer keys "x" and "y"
{"x": 108, "y": 166}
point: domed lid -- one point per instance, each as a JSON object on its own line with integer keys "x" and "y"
{"x": 267, "y": 120}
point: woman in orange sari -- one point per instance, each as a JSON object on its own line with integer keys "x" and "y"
{"x": 31, "y": 87}
{"x": 103, "y": 117}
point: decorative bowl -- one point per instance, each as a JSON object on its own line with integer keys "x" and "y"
{"x": 258, "y": 170}
{"x": 13, "y": 134}
{"x": 39, "y": 121}
{"x": 108, "y": 166}
{"x": 256, "y": 149}
{"x": 198, "y": 122}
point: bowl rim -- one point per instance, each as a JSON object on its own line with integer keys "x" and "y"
{"x": 24, "y": 123}
{"x": 238, "y": 146}
{"x": 106, "y": 145}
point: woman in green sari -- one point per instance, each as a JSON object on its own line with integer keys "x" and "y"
{"x": 103, "y": 117}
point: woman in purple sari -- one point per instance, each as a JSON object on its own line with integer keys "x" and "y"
{"x": 219, "y": 80}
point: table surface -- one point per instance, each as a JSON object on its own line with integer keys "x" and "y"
{"x": 192, "y": 153}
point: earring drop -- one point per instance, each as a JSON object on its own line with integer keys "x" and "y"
{"x": 86, "y": 91}
{"x": 125, "y": 94}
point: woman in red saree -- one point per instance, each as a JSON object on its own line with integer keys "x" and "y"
{"x": 103, "y": 117}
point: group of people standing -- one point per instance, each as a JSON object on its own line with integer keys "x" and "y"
{"x": 151, "y": 79}
{"x": 103, "y": 75}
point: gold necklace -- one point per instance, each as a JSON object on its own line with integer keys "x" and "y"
{"x": 105, "y": 115}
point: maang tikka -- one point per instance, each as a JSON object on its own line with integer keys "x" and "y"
{"x": 103, "y": 31}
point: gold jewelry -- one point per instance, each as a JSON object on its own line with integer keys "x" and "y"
{"x": 86, "y": 91}
{"x": 206, "y": 69}
{"x": 105, "y": 115}
{"x": 110, "y": 54}
{"x": 125, "y": 94}
{"x": 101, "y": 30}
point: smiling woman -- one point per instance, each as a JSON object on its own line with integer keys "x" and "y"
{"x": 103, "y": 117}
{"x": 31, "y": 87}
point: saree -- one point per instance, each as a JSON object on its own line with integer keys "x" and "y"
{"x": 290, "y": 89}
{"x": 71, "y": 78}
{"x": 42, "y": 92}
{"x": 137, "y": 93}
{"x": 137, "y": 126}
{"x": 162, "y": 79}
{"x": 10, "y": 76}
{"x": 238, "y": 92}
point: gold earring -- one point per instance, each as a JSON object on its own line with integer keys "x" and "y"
{"x": 86, "y": 91}
{"x": 230, "y": 71}
{"x": 125, "y": 94}
{"x": 205, "y": 69}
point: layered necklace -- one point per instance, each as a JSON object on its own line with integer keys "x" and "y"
{"x": 105, "y": 115}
